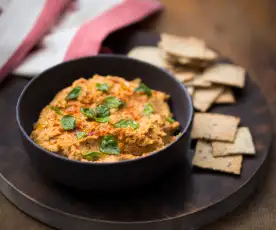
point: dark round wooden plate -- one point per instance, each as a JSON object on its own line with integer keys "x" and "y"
{"x": 186, "y": 198}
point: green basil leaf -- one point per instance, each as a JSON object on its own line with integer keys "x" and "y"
{"x": 74, "y": 93}
{"x": 148, "y": 109}
{"x": 144, "y": 89}
{"x": 88, "y": 112}
{"x": 127, "y": 123}
{"x": 102, "y": 111}
{"x": 113, "y": 102}
{"x": 109, "y": 145}
{"x": 102, "y": 119}
{"x": 68, "y": 122}
{"x": 171, "y": 120}
{"x": 92, "y": 156}
{"x": 102, "y": 87}
{"x": 80, "y": 135}
{"x": 56, "y": 109}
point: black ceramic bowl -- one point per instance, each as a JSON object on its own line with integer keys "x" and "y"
{"x": 85, "y": 175}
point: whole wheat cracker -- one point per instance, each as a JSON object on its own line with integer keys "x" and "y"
{"x": 184, "y": 76}
{"x": 184, "y": 61}
{"x": 203, "y": 98}
{"x": 213, "y": 126}
{"x": 243, "y": 144}
{"x": 150, "y": 54}
{"x": 227, "y": 97}
{"x": 203, "y": 158}
{"x": 187, "y": 47}
{"x": 199, "y": 81}
{"x": 225, "y": 74}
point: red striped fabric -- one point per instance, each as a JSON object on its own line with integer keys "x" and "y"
{"x": 45, "y": 21}
{"x": 89, "y": 37}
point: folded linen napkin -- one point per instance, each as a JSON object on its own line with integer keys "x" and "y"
{"x": 61, "y": 29}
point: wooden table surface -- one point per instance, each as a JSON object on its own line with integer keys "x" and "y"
{"x": 245, "y": 31}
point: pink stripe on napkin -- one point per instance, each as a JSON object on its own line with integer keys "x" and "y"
{"x": 43, "y": 24}
{"x": 89, "y": 37}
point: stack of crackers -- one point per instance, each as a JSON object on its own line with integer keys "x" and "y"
{"x": 221, "y": 143}
{"x": 194, "y": 64}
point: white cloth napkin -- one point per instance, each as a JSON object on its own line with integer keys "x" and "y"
{"x": 75, "y": 29}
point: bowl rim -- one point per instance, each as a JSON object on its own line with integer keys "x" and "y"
{"x": 103, "y": 56}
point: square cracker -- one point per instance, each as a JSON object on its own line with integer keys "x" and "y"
{"x": 213, "y": 126}
{"x": 187, "y": 47}
{"x": 184, "y": 61}
{"x": 149, "y": 54}
{"x": 199, "y": 82}
{"x": 184, "y": 76}
{"x": 226, "y": 74}
{"x": 175, "y": 59}
{"x": 243, "y": 144}
{"x": 204, "y": 97}
{"x": 227, "y": 97}
{"x": 204, "y": 159}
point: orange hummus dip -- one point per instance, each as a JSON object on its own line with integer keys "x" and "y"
{"x": 106, "y": 119}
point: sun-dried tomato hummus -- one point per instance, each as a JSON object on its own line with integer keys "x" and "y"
{"x": 106, "y": 119}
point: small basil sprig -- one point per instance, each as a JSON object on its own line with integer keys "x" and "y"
{"x": 144, "y": 89}
{"x": 56, "y": 109}
{"x": 88, "y": 112}
{"x": 127, "y": 123}
{"x": 99, "y": 114}
{"x": 102, "y": 114}
{"x": 102, "y": 119}
{"x": 74, "y": 93}
{"x": 148, "y": 109}
{"x": 109, "y": 145}
{"x": 102, "y": 87}
{"x": 68, "y": 122}
{"x": 102, "y": 111}
{"x": 170, "y": 120}
{"x": 92, "y": 156}
{"x": 113, "y": 102}
{"x": 80, "y": 134}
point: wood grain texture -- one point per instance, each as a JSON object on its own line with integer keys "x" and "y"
{"x": 244, "y": 31}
